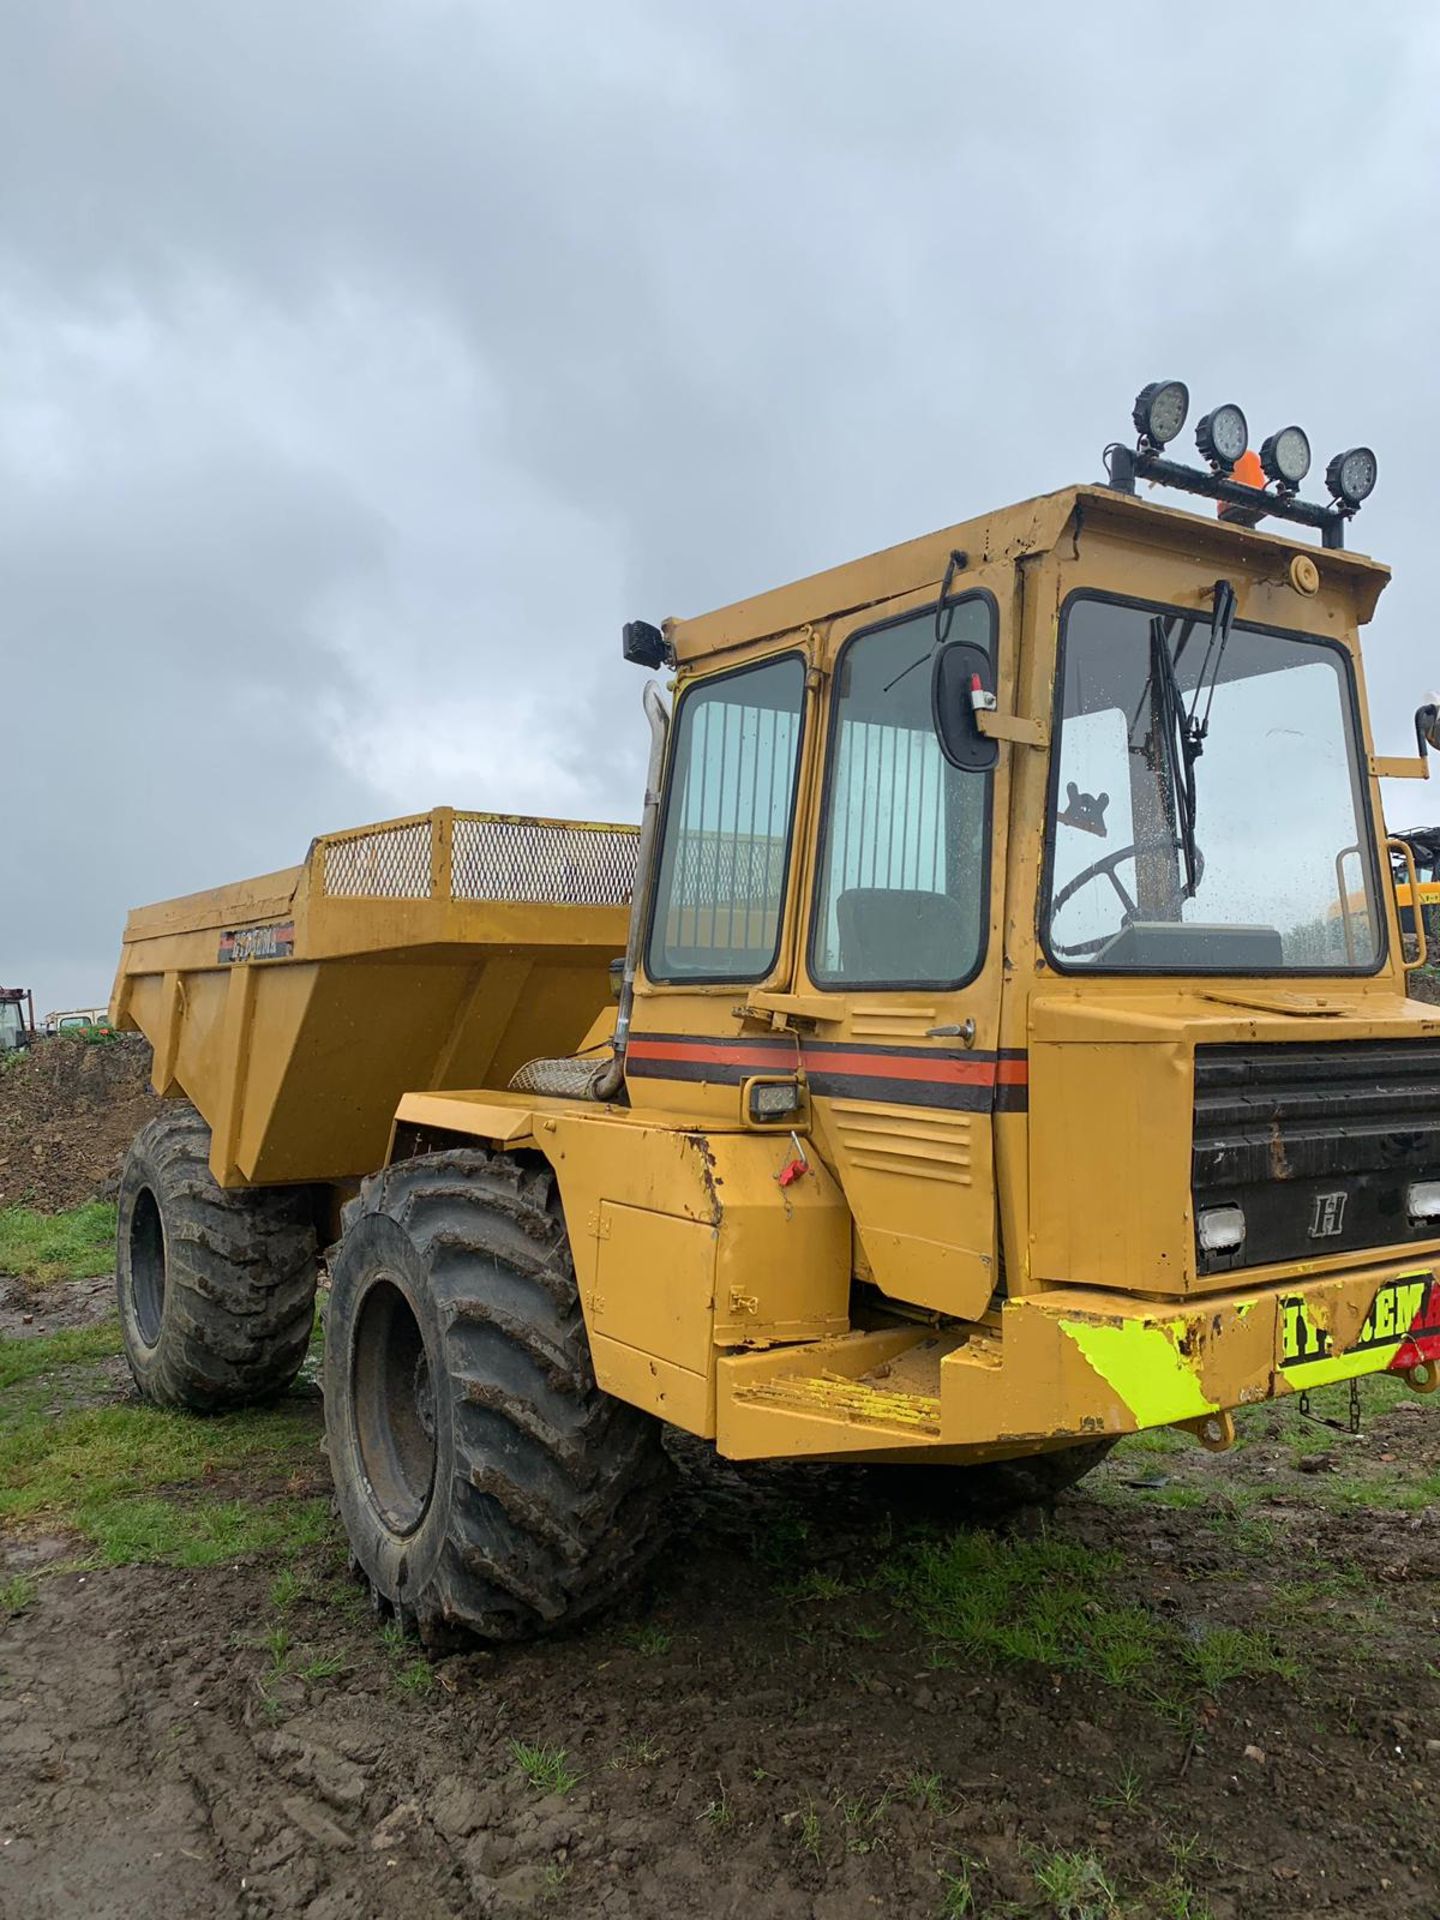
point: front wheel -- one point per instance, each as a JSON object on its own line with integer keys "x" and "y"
{"x": 485, "y": 1481}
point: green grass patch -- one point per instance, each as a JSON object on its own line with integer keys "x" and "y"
{"x": 138, "y": 1481}
{"x": 200, "y": 1533}
{"x": 16, "y": 1594}
{"x": 1052, "y": 1603}
{"x": 1075, "y": 1885}
{"x": 46, "y": 1354}
{"x": 59, "y": 1465}
{"x": 547, "y": 1769}
{"x": 78, "y": 1245}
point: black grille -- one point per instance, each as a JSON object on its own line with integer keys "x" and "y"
{"x": 1281, "y": 1131}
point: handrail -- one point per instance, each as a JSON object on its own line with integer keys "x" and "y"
{"x": 1422, "y": 937}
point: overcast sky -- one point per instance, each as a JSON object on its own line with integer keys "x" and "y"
{"x": 363, "y": 365}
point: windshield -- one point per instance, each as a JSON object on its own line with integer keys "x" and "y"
{"x": 1283, "y": 874}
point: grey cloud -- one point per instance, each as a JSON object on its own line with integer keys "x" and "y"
{"x": 523, "y": 321}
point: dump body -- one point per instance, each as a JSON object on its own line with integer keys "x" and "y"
{"x": 438, "y": 951}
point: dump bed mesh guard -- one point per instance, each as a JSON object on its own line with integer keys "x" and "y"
{"x": 480, "y": 856}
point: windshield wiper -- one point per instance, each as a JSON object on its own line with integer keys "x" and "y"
{"x": 1182, "y": 733}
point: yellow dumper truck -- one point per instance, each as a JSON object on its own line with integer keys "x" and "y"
{"x": 938, "y": 1075}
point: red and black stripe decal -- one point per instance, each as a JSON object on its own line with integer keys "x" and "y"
{"x": 973, "y": 1081}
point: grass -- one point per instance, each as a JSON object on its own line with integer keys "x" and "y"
{"x": 860, "y": 1822}
{"x": 417, "y": 1678}
{"x": 1222, "y": 1654}
{"x": 546, "y": 1769}
{"x": 201, "y": 1533}
{"x": 324, "y": 1666}
{"x": 287, "y": 1588}
{"x": 816, "y": 1584}
{"x": 17, "y": 1594}
{"x": 1076, "y": 1885}
{"x": 809, "y": 1832}
{"x": 957, "y": 1892}
{"x": 25, "y": 1360}
{"x": 78, "y": 1245}
{"x": 650, "y": 1640}
{"x": 1052, "y": 1603}
{"x": 1128, "y": 1791}
{"x": 138, "y": 1482}
{"x": 927, "y": 1791}
{"x": 718, "y": 1813}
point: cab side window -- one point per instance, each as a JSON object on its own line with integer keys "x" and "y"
{"x": 729, "y": 815}
{"x": 901, "y": 893}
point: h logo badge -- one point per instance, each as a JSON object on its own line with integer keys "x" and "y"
{"x": 1329, "y": 1215}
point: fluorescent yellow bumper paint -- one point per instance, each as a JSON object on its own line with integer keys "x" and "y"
{"x": 1144, "y": 1366}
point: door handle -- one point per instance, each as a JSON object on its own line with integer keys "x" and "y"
{"x": 964, "y": 1033}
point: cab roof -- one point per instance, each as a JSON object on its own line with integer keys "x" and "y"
{"x": 1006, "y": 535}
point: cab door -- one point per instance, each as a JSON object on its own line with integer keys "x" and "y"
{"x": 900, "y": 957}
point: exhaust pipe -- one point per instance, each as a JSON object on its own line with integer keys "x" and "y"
{"x": 612, "y": 1079}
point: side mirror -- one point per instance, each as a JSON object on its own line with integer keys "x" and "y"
{"x": 1427, "y": 727}
{"x": 961, "y": 686}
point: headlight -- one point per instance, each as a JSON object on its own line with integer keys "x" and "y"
{"x": 1285, "y": 456}
{"x": 1222, "y": 1229}
{"x": 1222, "y": 436}
{"x": 1351, "y": 476}
{"x": 772, "y": 1100}
{"x": 1422, "y": 1202}
{"x": 1160, "y": 411}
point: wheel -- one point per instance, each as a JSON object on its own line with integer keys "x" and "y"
{"x": 485, "y": 1482}
{"x": 993, "y": 1488}
{"x": 216, "y": 1290}
{"x": 1034, "y": 1480}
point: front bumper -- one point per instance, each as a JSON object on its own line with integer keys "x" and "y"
{"x": 1074, "y": 1362}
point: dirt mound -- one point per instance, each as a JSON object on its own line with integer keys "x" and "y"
{"x": 68, "y": 1111}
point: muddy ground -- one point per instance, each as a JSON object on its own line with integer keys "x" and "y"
{"x": 798, "y": 1717}
{"x": 68, "y": 1111}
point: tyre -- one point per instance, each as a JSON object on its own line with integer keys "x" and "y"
{"x": 216, "y": 1290}
{"x": 486, "y": 1483}
{"x": 994, "y": 1488}
{"x": 1034, "y": 1480}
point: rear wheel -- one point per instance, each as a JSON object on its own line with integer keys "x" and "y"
{"x": 485, "y": 1481}
{"x": 216, "y": 1290}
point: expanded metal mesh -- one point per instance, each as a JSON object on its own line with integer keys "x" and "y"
{"x": 488, "y": 857}
{"x": 553, "y": 861}
{"x": 569, "y": 1079}
{"x": 384, "y": 863}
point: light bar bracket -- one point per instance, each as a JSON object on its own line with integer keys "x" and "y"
{"x": 1126, "y": 466}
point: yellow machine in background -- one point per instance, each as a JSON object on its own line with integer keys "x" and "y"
{"x": 971, "y": 1095}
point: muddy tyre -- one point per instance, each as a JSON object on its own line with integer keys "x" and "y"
{"x": 993, "y": 1488}
{"x": 488, "y": 1486}
{"x": 1034, "y": 1480}
{"x": 216, "y": 1290}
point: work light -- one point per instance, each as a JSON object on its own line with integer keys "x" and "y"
{"x": 1222, "y": 1229}
{"x": 1160, "y": 411}
{"x": 1351, "y": 476}
{"x": 1285, "y": 456}
{"x": 1222, "y": 436}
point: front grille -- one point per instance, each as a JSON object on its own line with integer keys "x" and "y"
{"x": 1317, "y": 1144}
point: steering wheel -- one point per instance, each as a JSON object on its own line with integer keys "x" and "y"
{"x": 1106, "y": 866}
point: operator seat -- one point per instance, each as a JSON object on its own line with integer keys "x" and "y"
{"x": 902, "y": 933}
